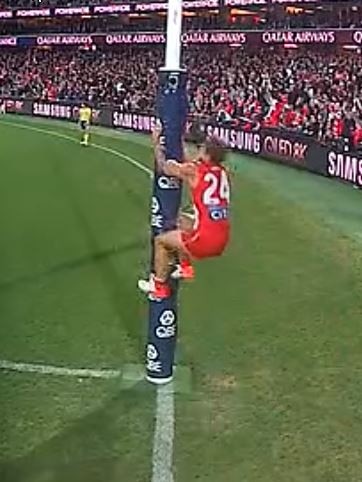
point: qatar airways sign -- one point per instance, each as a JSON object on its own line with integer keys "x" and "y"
{"x": 231, "y": 38}
{"x": 64, "y": 40}
{"x": 299, "y": 37}
{"x": 209, "y": 37}
{"x": 357, "y": 37}
{"x": 8, "y": 41}
{"x": 136, "y": 38}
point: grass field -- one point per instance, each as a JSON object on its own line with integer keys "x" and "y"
{"x": 272, "y": 332}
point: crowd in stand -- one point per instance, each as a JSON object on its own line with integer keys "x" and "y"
{"x": 316, "y": 94}
{"x": 126, "y": 78}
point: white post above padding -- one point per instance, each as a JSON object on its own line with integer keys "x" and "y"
{"x": 173, "y": 43}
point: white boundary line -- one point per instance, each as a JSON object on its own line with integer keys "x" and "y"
{"x": 163, "y": 439}
{"x": 58, "y": 371}
{"x": 162, "y": 456}
{"x": 129, "y": 159}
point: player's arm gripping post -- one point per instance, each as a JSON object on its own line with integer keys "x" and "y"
{"x": 166, "y": 198}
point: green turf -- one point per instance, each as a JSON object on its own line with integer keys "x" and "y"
{"x": 271, "y": 331}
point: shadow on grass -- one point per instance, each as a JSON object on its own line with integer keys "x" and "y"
{"x": 119, "y": 284}
{"x": 121, "y": 289}
{"x": 111, "y": 444}
{"x": 73, "y": 264}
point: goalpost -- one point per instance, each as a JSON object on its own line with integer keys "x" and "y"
{"x": 166, "y": 197}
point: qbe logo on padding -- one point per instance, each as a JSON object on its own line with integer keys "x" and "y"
{"x": 152, "y": 352}
{"x": 156, "y": 218}
{"x": 165, "y": 182}
{"x": 167, "y": 326}
{"x": 153, "y": 365}
{"x": 155, "y": 205}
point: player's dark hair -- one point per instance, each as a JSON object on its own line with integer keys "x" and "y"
{"x": 215, "y": 149}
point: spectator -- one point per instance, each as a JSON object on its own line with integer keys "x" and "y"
{"x": 318, "y": 94}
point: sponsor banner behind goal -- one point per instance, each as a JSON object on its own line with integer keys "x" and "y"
{"x": 278, "y": 145}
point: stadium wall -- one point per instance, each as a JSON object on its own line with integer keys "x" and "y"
{"x": 277, "y": 145}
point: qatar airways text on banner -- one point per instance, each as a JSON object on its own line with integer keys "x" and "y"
{"x": 199, "y": 38}
{"x": 8, "y": 41}
{"x": 64, "y": 39}
{"x": 357, "y": 37}
{"x": 299, "y": 37}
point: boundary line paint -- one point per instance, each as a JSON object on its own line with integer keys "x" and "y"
{"x": 39, "y": 368}
{"x": 126, "y": 158}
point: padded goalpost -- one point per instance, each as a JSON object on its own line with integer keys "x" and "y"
{"x": 166, "y": 197}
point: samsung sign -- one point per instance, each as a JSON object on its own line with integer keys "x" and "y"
{"x": 236, "y": 138}
{"x": 55, "y": 110}
{"x": 278, "y": 145}
{"x": 347, "y": 167}
{"x": 136, "y": 122}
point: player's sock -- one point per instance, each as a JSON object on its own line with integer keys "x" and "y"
{"x": 86, "y": 138}
{"x": 184, "y": 270}
{"x": 187, "y": 269}
{"x": 161, "y": 289}
{"x": 185, "y": 263}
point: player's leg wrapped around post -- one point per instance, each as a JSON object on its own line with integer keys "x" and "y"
{"x": 166, "y": 199}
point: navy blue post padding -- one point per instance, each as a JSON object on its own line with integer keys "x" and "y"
{"x": 165, "y": 205}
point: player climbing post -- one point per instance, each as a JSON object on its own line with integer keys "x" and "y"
{"x": 166, "y": 197}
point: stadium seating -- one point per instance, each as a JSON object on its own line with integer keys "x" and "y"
{"x": 320, "y": 95}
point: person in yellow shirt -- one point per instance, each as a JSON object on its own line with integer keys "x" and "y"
{"x": 85, "y": 117}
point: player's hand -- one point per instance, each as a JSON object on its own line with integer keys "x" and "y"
{"x": 156, "y": 133}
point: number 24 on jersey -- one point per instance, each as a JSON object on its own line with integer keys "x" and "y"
{"x": 218, "y": 189}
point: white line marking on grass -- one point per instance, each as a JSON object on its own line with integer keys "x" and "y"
{"x": 129, "y": 159}
{"x": 60, "y": 371}
{"x": 162, "y": 458}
